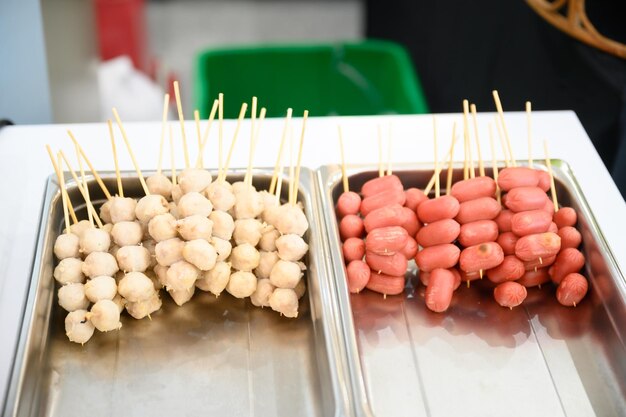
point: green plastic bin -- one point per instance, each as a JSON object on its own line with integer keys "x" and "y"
{"x": 365, "y": 78}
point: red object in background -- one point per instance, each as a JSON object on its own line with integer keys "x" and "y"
{"x": 122, "y": 30}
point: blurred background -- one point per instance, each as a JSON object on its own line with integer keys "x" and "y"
{"x": 67, "y": 61}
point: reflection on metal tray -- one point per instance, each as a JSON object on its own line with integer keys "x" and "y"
{"x": 478, "y": 359}
{"x": 209, "y": 357}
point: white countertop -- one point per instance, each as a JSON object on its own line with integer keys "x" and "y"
{"x": 24, "y": 167}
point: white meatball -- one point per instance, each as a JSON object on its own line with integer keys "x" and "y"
{"x": 247, "y": 231}
{"x": 268, "y": 199}
{"x": 285, "y": 274}
{"x": 161, "y": 274}
{"x": 122, "y": 209}
{"x": 215, "y": 280}
{"x": 107, "y": 227}
{"x": 194, "y": 180}
{"x": 241, "y": 284}
{"x": 245, "y": 257}
{"x": 291, "y": 219}
{"x": 77, "y": 327}
{"x": 223, "y": 225}
{"x": 269, "y": 234}
{"x": 169, "y": 251}
{"x": 120, "y": 302}
{"x": 222, "y": 247}
{"x": 159, "y": 184}
{"x": 133, "y": 258}
{"x": 300, "y": 289}
{"x": 291, "y": 247}
{"x": 67, "y": 246}
{"x": 181, "y": 276}
{"x": 248, "y": 204}
{"x": 221, "y": 195}
{"x": 180, "y": 297}
{"x": 105, "y": 316}
{"x": 127, "y": 233}
{"x": 177, "y": 193}
{"x": 200, "y": 253}
{"x": 69, "y": 270}
{"x": 100, "y": 288}
{"x": 285, "y": 301}
{"x": 150, "y": 206}
{"x": 144, "y": 308}
{"x": 267, "y": 260}
{"x": 195, "y": 227}
{"x": 261, "y": 296}
{"x": 270, "y": 214}
{"x": 154, "y": 278}
{"x": 94, "y": 240}
{"x": 194, "y": 203}
{"x": 173, "y": 209}
{"x": 79, "y": 228}
{"x": 72, "y": 297}
{"x": 105, "y": 211}
{"x": 162, "y": 227}
{"x": 135, "y": 286}
{"x": 100, "y": 263}
{"x": 240, "y": 186}
{"x": 151, "y": 246}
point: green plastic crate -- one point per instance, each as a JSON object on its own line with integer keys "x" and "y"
{"x": 365, "y": 78}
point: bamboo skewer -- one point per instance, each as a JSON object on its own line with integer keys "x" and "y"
{"x": 252, "y": 133}
{"x": 80, "y": 188}
{"x": 118, "y": 177}
{"x": 437, "y": 188}
{"x": 172, "y": 159}
{"x": 291, "y": 168}
{"x": 181, "y": 118}
{"x": 89, "y": 164}
{"x": 344, "y": 177}
{"x": 199, "y": 159}
{"x": 496, "y": 98}
{"x": 64, "y": 196}
{"x": 205, "y": 136}
{"x": 389, "y": 147}
{"x": 494, "y": 164}
{"x": 250, "y": 174}
{"x": 381, "y": 170}
{"x": 450, "y": 167}
{"x": 530, "y": 136}
{"x": 130, "y": 152}
{"x": 58, "y": 171}
{"x": 431, "y": 182}
{"x": 507, "y": 161}
{"x": 84, "y": 182}
{"x": 481, "y": 165}
{"x": 280, "y": 150}
{"x": 466, "y": 135}
{"x": 552, "y": 184}
{"x": 166, "y": 100}
{"x": 297, "y": 179}
{"x": 242, "y": 114}
{"x": 220, "y": 133}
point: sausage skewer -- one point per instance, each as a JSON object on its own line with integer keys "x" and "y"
{"x": 450, "y": 162}
{"x": 496, "y": 99}
{"x": 495, "y": 165}
{"x": 481, "y": 165}
{"x": 530, "y": 139}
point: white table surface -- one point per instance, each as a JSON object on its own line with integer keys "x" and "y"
{"x": 24, "y": 167}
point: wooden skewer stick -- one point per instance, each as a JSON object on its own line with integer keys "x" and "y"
{"x": 85, "y": 186}
{"x": 78, "y": 183}
{"x": 344, "y": 177}
{"x": 199, "y": 159}
{"x": 250, "y": 174}
{"x": 437, "y": 188}
{"x": 181, "y": 118}
{"x": 389, "y": 147}
{"x": 279, "y": 185}
{"x": 89, "y": 164}
{"x": 530, "y": 135}
{"x": 496, "y": 98}
{"x": 431, "y": 183}
{"x": 481, "y": 165}
{"x": 64, "y": 197}
{"x": 118, "y": 177}
{"x": 166, "y": 100}
{"x": 279, "y": 157}
{"x": 205, "y": 137}
{"x": 172, "y": 159}
{"x": 252, "y": 132}
{"x": 220, "y": 133}
{"x": 450, "y": 162}
{"x": 494, "y": 164}
{"x": 466, "y": 135}
{"x": 297, "y": 179}
{"x": 58, "y": 172}
{"x": 381, "y": 170}
{"x": 507, "y": 161}
{"x": 130, "y": 152}
{"x": 242, "y": 114}
{"x": 552, "y": 184}
{"x": 291, "y": 168}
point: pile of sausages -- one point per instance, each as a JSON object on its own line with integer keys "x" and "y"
{"x": 463, "y": 236}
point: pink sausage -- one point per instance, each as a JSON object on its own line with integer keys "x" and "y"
{"x": 530, "y": 222}
{"x": 382, "y": 199}
{"x": 510, "y": 269}
{"x": 507, "y": 241}
{"x": 514, "y": 177}
{"x": 510, "y": 294}
{"x": 380, "y": 184}
{"x": 457, "y": 277}
{"x": 539, "y": 263}
{"x": 440, "y": 256}
{"x": 439, "y": 290}
{"x": 386, "y": 240}
{"x": 478, "y": 232}
{"x": 410, "y": 223}
{"x": 446, "y": 207}
{"x": 391, "y": 215}
{"x": 543, "y": 180}
{"x": 473, "y": 188}
{"x": 548, "y": 207}
{"x": 566, "y": 216}
{"x": 484, "y": 208}
{"x": 353, "y": 249}
{"x": 569, "y": 260}
{"x": 554, "y": 229}
{"x": 572, "y": 290}
{"x": 504, "y": 220}
{"x": 411, "y": 248}
{"x": 348, "y": 203}
{"x": 540, "y": 245}
{"x": 526, "y": 198}
{"x": 424, "y": 277}
{"x": 358, "y": 274}
{"x": 570, "y": 237}
{"x": 481, "y": 257}
{"x": 533, "y": 278}
{"x": 350, "y": 226}
{"x": 395, "y": 264}
{"x": 436, "y": 233}
{"x": 385, "y": 284}
{"x": 414, "y": 197}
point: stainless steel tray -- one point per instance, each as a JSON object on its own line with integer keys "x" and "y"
{"x": 479, "y": 359}
{"x": 210, "y": 357}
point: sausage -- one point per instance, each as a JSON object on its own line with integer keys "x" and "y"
{"x": 510, "y": 269}
{"x": 539, "y": 263}
{"x": 526, "y": 198}
{"x": 566, "y": 216}
{"x": 386, "y": 240}
{"x": 395, "y": 264}
{"x": 530, "y": 222}
{"x": 358, "y": 274}
{"x": 481, "y": 257}
{"x": 439, "y": 290}
{"x": 410, "y": 223}
{"x": 353, "y": 249}
{"x": 534, "y": 278}
{"x": 572, "y": 289}
{"x": 425, "y": 277}
{"x": 548, "y": 207}
{"x": 540, "y": 245}
{"x": 438, "y": 232}
{"x": 543, "y": 178}
{"x": 385, "y": 284}
{"x": 510, "y": 294}
{"x": 569, "y": 260}
{"x": 446, "y": 207}
{"x": 507, "y": 241}
{"x": 414, "y": 197}
{"x": 473, "y": 188}
{"x": 380, "y": 184}
{"x": 391, "y": 215}
{"x": 554, "y": 229}
{"x": 504, "y": 220}
{"x": 570, "y": 237}
{"x": 350, "y": 226}
{"x": 478, "y": 232}
{"x": 439, "y": 256}
{"x": 410, "y": 249}
{"x": 379, "y": 200}
{"x": 513, "y": 177}
{"x": 484, "y": 208}
{"x": 348, "y": 203}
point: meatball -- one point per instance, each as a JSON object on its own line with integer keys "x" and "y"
{"x": 300, "y": 289}
{"x": 194, "y": 180}
{"x": 160, "y": 184}
{"x": 141, "y": 309}
{"x": 222, "y": 247}
{"x": 133, "y": 258}
{"x": 177, "y": 193}
{"x": 127, "y": 233}
{"x": 285, "y": 301}
{"x": 105, "y": 316}
{"x": 195, "y": 227}
{"x": 291, "y": 247}
{"x": 77, "y": 327}
{"x": 181, "y": 276}
{"x": 247, "y": 231}
{"x": 72, "y": 297}
{"x": 241, "y": 284}
{"x": 169, "y": 251}
{"x": 244, "y": 257}
{"x": 161, "y": 274}
{"x": 248, "y": 204}
{"x": 291, "y": 219}
{"x": 267, "y": 260}
{"x": 79, "y": 228}
{"x": 105, "y": 211}
{"x": 180, "y": 297}
{"x": 261, "y": 296}
{"x": 215, "y": 280}
{"x": 162, "y": 227}
{"x": 223, "y": 225}
{"x": 221, "y": 195}
{"x": 173, "y": 209}
{"x": 270, "y": 214}
{"x": 122, "y": 209}
{"x": 69, "y": 270}
{"x": 200, "y": 253}
{"x": 100, "y": 288}
{"x": 240, "y": 186}
{"x": 120, "y": 302}
{"x": 285, "y": 274}
{"x": 136, "y": 286}
{"x": 269, "y": 235}
{"x": 194, "y": 203}
{"x": 150, "y": 245}
{"x": 67, "y": 246}
{"x": 94, "y": 240}
{"x": 100, "y": 263}
{"x": 150, "y": 206}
